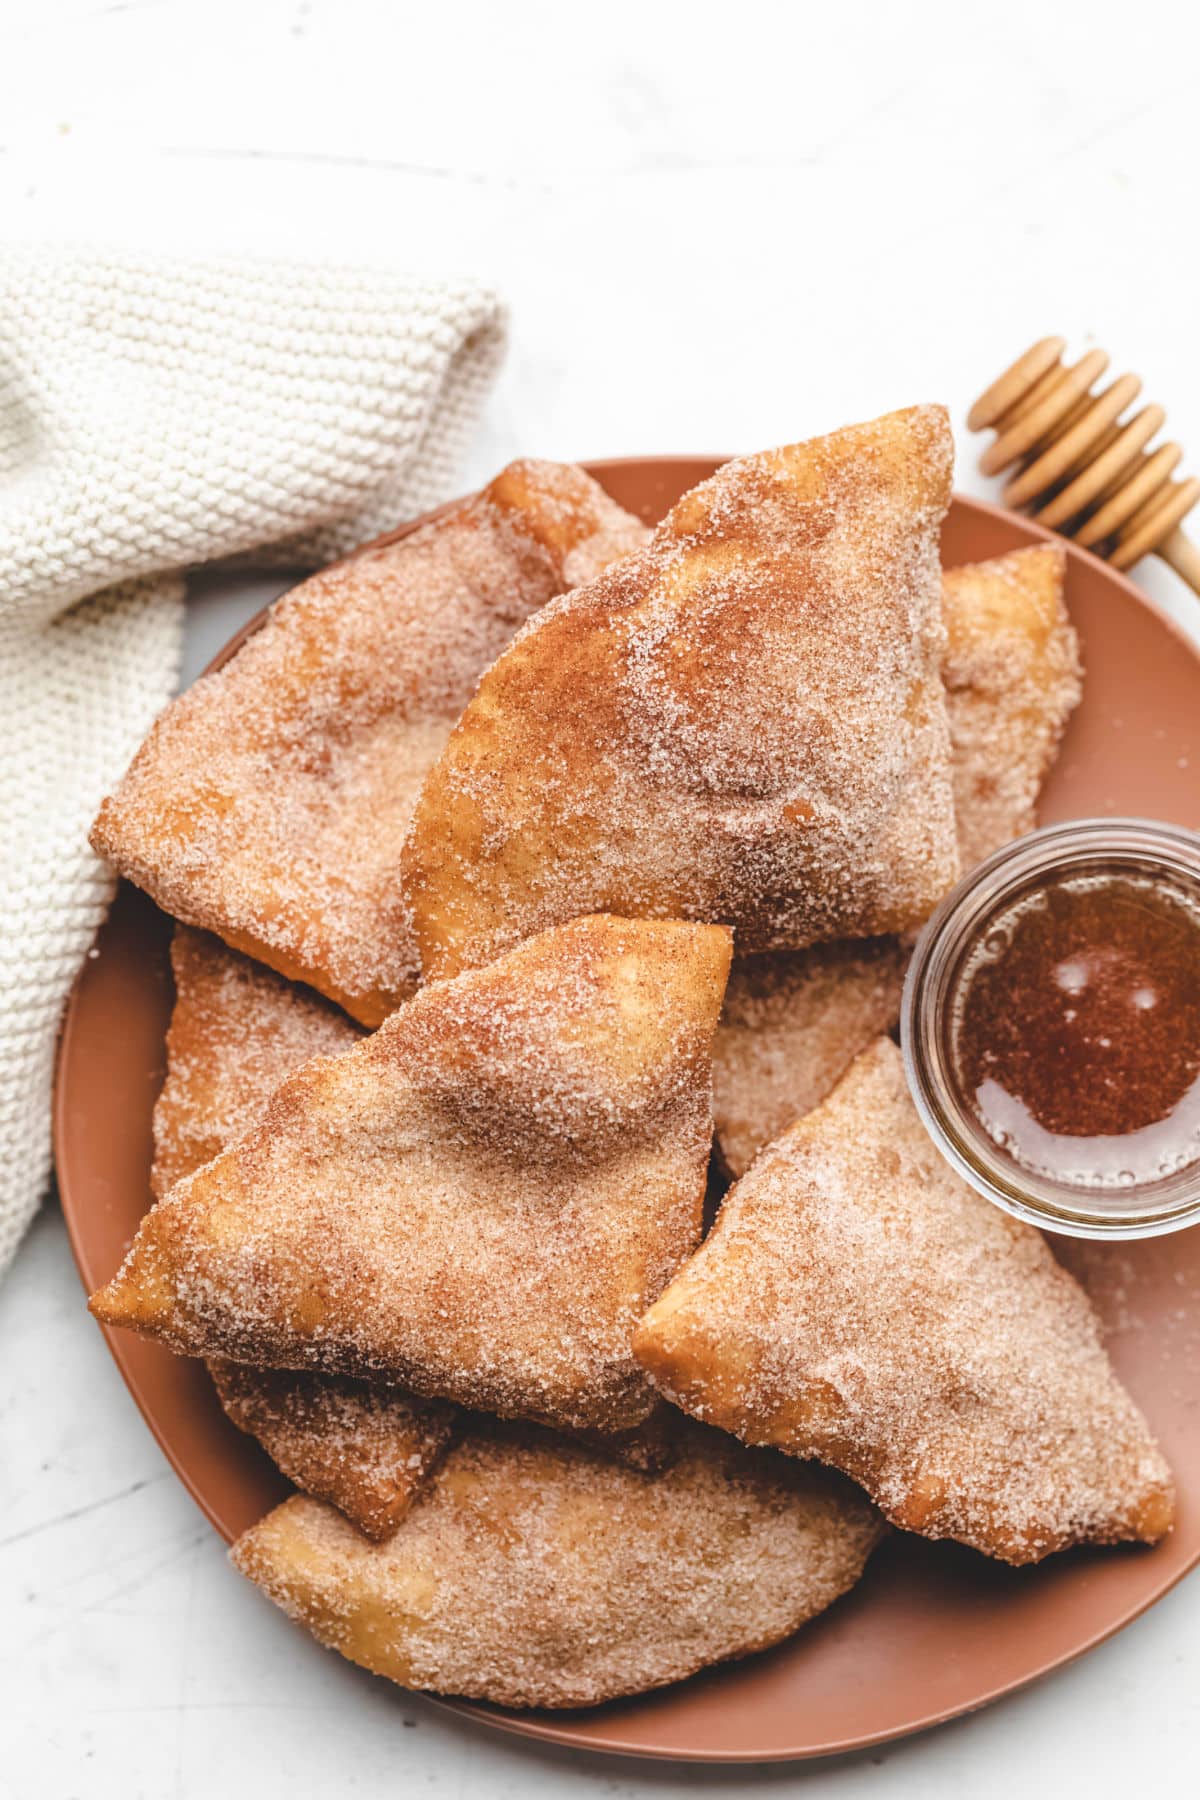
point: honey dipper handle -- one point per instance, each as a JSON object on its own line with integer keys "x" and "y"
{"x": 1184, "y": 558}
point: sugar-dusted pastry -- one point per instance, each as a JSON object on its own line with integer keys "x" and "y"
{"x": 793, "y": 1022}
{"x": 742, "y": 722}
{"x": 534, "y": 1573}
{"x": 478, "y": 1201}
{"x": 237, "y": 1029}
{"x": 1012, "y": 679}
{"x": 368, "y": 1450}
{"x": 858, "y": 1302}
{"x": 269, "y": 802}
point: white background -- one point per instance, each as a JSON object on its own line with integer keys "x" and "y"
{"x": 718, "y": 227}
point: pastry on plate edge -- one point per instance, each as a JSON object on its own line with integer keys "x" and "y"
{"x": 794, "y": 1021}
{"x": 857, "y": 1302}
{"x": 533, "y": 1572}
{"x": 1012, "y": 675}
{"x": 478, "y": 1201}
{"x": 237, "y": 1030}
{"x": 269, "y": 801}
{"x": 639, "y": 748}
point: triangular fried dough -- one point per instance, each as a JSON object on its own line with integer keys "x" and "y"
{"x": 1012, "y": 679}
{"x": 476, "y": 1202}
{"x": 858, "y": 1302}
{"x": 236, "y": 1032}
{"x": 367, "y": 1450}
{"x": 794, "y": 1021}
{"x": 533, "y": 1573}
{"x": 741, "y": 722}
{"x": 269, "y": 802}
{"x": 237, "y": 1029}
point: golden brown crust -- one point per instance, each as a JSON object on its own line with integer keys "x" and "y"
{"x": 237, "y": 1030}
{"x": 478, "y": 1201}
{"x": 857, "y": 1302}
{"x": 366, "y": 1450}
{"x": 793, "y": 1022}
{"x": 269, "y": 801}
{"x": 1012, "y": 680}
{"x": 742, "y": 721}
{"x": 534, "y": 1573}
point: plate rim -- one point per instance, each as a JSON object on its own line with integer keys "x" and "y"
{"x": 541, "y": 1726}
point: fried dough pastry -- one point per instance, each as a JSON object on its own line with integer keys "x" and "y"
{"x": 367, "y": 1450}
{"x": 534, "y": 1573}
{"x": 269, "y": 801}
{"x": 236, "y": 1031}
{"x": 793, "y": 1022}
{"x": 1012, "y": 677}
{"x": 858, "y": 1302}
{"x": 478, "y": 1201}
{"x": 743, "y": 721}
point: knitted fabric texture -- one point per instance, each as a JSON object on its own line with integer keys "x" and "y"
{"x": 155, "y": 414}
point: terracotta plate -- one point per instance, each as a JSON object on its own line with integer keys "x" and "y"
{"x": 932, "y": 1630}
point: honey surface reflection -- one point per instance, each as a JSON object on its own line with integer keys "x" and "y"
{"x": 1075, "y": 1028}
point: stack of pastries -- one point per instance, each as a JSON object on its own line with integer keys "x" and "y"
{"x": 528, "y": 869}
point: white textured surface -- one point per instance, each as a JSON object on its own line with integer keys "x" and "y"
{"x": 718, "y": 227}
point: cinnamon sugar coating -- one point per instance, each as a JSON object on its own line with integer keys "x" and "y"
{"x": 857, "y": 1302}
{"x": 743, "y": 721}
{"x": 237, "y": 1030}
{"x": 534, "y": 1573}
{"x": 269, "y": 802}
{"x": 793, "y": 1022}
{"x": 476, "y": 1202}
{"x": 367, "y": 1450}
{"x": 1012, "y": 679}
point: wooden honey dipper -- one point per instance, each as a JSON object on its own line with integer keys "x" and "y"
{"x": 1083, "y": 470}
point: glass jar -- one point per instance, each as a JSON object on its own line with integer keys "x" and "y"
{"x": 1136, "y": 851}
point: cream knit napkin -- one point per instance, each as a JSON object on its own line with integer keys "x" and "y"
{"x": 155, "y": 414}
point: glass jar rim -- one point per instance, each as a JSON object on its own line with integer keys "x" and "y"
{"x": 1144, "y": 1210}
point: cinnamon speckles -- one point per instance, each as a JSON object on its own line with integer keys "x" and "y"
{"x": 858, "y": 1302}
{"x": 743, "y": 721}
{"x": 534, "y": 1573}
{"x": 270, "y": 801}
{"x": 366, "y": 1450}
{"x": 794, "y": 1020}
{"x": 1012, "y": 680}
{"x": 478, "y": 1201}
{"x": 237, "y": 1031}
